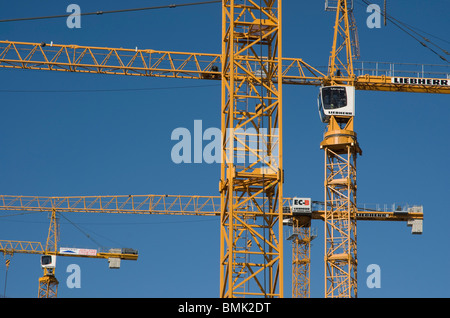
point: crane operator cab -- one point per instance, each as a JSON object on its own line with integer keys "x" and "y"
{"x": 336, "y": 101}
{"x": 48, "y": 261}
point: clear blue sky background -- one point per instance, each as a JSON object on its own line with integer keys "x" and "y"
{"x": 102, "y": 143}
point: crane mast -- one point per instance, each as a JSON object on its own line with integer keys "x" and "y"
{"x": 301, "y": 237}
{"x": 48, "y": 284}
{"x": 342, "y": 66}
{"x": 251, "y": 169}
{"x": 341, "y": 150}
{"x": 340, "y": 211}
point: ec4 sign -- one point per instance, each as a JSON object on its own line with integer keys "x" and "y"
{"x": 301, "y": 206}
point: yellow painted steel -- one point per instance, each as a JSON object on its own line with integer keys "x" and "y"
{"x": 171, "y": 64}
{"x": 136, "y": 204}
{"x": 10, "y": 247}
{"x": 340, "y": 217}
{"x": 385, "y": 84}
{"x": 177, "y": 205}
{"x": 48, "y": 284}
{"x": 338, "y": 66}
{"x": 154, "y": 204}
{"x": 134, "y": 62}
{"x": 341, "y": 149}
{"x": 301, "y": 257}
{"x": 251, "y": 251}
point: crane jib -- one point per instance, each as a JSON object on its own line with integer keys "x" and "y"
{"x": 420, "y": 81}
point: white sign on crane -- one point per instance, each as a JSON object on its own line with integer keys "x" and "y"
{"x": 301, "y": 206}
{"x": 77, "y": 251}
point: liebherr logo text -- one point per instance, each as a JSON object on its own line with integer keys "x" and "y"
{"x": 340, "y": 113}
{"x": 245, "y": 307}
{"x": 420, "y": 81}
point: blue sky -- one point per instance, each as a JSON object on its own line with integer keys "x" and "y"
{"x": 104, "y": 143}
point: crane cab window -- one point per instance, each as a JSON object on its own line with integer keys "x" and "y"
{"x": 46, "y": 260}
{"x": 334, "y": 97}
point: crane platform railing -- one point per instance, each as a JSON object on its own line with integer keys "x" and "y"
{"x": 389, "y": 69}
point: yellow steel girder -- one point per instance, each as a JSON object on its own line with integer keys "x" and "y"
{"x": 189, "y": 65}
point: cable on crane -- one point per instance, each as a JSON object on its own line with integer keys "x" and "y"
{"x": 81, "y": 230}
{"x": 7, "y": 263}
{"x": 424, "y": 40}
{"x": 171, "y": 6}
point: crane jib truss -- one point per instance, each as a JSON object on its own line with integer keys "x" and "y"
{"x": 171, "y": 64}
{"x": 164, "y": 204}
{"x": 48, "y": 284}
{"x": 193, "y": 205}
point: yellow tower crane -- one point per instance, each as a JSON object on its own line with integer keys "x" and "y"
{"x": 48, "y": 283}
{"x": 336, "y": 106}
{"x": 299, "y": 220}
{"x": 252, "y": 71}
{"x": 251, "y": 173}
